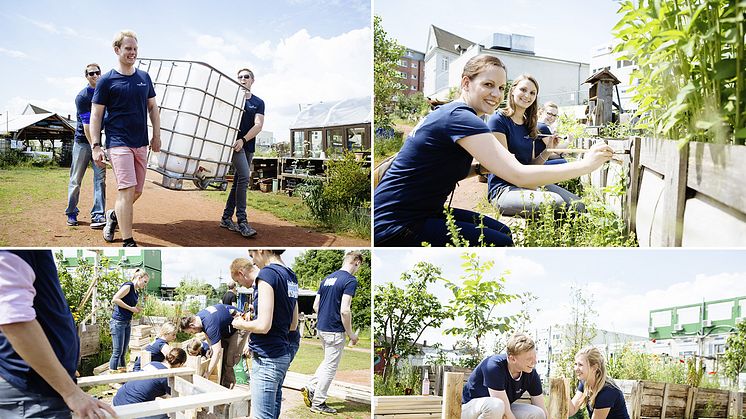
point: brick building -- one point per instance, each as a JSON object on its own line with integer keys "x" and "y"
{"x": 412, "y": 71}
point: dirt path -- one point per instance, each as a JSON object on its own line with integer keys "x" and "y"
{"x": 163, "y": 218}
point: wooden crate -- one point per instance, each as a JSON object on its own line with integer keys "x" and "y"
{"x": 89, "y": 339}
{"x": 407, "y": 407}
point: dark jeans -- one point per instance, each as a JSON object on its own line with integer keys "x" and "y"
{"x": 237, "y": 196}
{"x": 17, "y": 404}
{"x": 435, "y": 231}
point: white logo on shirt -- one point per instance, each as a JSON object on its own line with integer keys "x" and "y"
{"x": 211, "y": 309}
{"x": 330, "y": 282}
{"x": 141, "y": 84}
{"x": 292, "y": 289}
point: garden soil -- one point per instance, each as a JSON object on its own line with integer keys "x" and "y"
{"x": 163, "y": 217}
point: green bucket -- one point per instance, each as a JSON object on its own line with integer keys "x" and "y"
{"x": 242, "y": 376}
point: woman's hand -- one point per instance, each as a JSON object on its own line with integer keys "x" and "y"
{"x": 551, "y": 141}
{"x": 597, "y": 155}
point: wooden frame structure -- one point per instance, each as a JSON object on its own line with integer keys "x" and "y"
{"x": 189, "y": 392}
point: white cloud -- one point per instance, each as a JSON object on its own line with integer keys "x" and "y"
{"x": 17, "y": 104}
{"x": 216, "y": 43}
{"x": 69, "y": 86}
{"x": 13, "y": 53}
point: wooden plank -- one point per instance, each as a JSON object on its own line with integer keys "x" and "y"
{"x": 131, "y": 376}
{"x": 654, "y": 154}
{"x": 179, "y": 404}
{"x": 690, "y": 401}
{"x": 453, "y": 383}
{"x": 664, "y": 403}
{"x": 633, "y": 189}
{"x": 735, "y": 405}
{"x": 345, "y": 391}
{"x": 559, "y": 398}
{"x": 717, "y": 170}
{"x": 675, "y": 197}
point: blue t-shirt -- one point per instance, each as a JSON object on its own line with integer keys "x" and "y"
{"x": 216, "y": 322}
{"x": 140, "y": 391}
{"x": 544, "y": 128}
{"x": 283, "y": 281}
{"x": 330, "y": 291}
{"x": 83, "y": 112}
{"x": 155, "y": 353}
{"x": 610, "y": 397}
{"x": 425, "y": 172}
{"x": 493, "y": 373}
{"x": 251, "y": 108}
{"x": 56, "y": 320}
{"x": 130, "y": 299}
{"x": 126, "y": 101}
{"x": 519, "y": 144}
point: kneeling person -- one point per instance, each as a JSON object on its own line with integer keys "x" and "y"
{"x": 500, "y": 380}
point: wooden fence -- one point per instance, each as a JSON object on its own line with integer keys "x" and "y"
{"x": 678, "y": 195}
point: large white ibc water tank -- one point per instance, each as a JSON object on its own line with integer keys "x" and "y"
{"x": 200, "y": 109}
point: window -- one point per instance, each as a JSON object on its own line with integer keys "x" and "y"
{"x": 413, "y": 77}
{"x": 335, "y": 142}
{"x": 414, "y": 65}
{"x": 298, "y": 146}
{"x": 410, "y": 53}
{"x": 317, "y": 145}
{"x": 402, "y": 75}
{"x": 403, "y": 63}
{"x": 355, "y": 138}
{"x": 444, "y": 64}
{"x": 413, "y": 88}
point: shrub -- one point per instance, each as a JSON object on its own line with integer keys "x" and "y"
{"x": 387, "y": 145}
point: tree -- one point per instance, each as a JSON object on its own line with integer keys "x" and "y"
{"x": 193, "y": 286}
{"x": 412, "y": 107}
{"x": 734, "y": 359}
{"x": 578, "y": 333}
{"x": 314, "y": 265}
{"x": 475, "y": 299}
{"x": 403, "y": 314}
{"x": 386, "y": 55}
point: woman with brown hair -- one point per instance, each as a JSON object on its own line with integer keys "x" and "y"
{"x": 439, "y": 152}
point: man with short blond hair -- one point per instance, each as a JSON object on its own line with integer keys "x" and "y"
{"x": 83, "y": 156}
{"x": 500, "y": 380}
{"x": 128, "y": 97}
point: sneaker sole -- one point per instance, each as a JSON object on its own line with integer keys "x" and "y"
{"x": 250, "y": 235}
{"x": 306, "y": 397}
{"x": 321, "y": 412}
{"x": 98, "y": 226}
{"x": 72, "y": 225}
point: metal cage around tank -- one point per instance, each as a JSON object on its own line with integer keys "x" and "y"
{"x": 200, "y": 110}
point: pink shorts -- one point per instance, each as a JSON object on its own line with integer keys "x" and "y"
{"x": 130, "y": 165}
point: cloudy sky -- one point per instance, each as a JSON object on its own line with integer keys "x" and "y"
{"x": 625, "y": 284}
{"x": 301, "y": 51}
{"x": 566, "y": 29}
{"x": 207, "y": 263}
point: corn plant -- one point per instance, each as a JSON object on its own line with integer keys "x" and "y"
{"x": 691, "y": 64}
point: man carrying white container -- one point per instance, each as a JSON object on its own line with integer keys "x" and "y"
{"x": 333, "y": 304}
{"x": 128, "y": 96}
{"x": 251, "y": 124}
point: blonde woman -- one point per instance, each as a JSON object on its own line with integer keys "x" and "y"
{"x": 160, "y": 347}
{"x": 125, "y": 304}
{"x": 596, "y": 390}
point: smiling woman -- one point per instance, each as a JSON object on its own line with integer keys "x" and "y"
{"x": 439, "y": 152}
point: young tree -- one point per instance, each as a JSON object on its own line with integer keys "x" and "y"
{"x": 403, "y": 314}
{"x": 475, "y": 299}
{"x": 734, "y": 359}
{"x": 386, "y": 55}
{"x": 578, "y": 333}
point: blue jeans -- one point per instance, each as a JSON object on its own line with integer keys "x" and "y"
{"x": 293, "y": 350}
{"x": 120, "y": 339}
{"x": 237, "y": 196}
{"x": 82, "y": 157}
{"x": 17, "y": 404}
{"x": 267, "y": 375}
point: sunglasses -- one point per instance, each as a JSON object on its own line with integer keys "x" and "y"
{"x": 552, "y": 114}
{"x": 94, "y": 73}
{"x": 245, "y": 76}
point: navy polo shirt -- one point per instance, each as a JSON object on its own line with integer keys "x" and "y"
{"x": 83, "y": 112}
{"x": 251, "y": 108}
{"x": 154, "y": 348}
{"x": 216, "y": 322}
{"x": 519, "y": 144}
{"x": 140, "y": 391}
{"x": 130, "y": 299}
{"x": 610, "y": 397}
{"x": 425, "y": 172}
{"x": 283, "y": 281}
{"x": 55, "y": 318}
{"x": 493, "y": 373}
{"x": 544, "y": 128}
{"x": 330, "y": 291}
{"x": 126, "y": 101}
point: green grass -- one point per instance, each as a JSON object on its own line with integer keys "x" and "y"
{"x": 310, "y": 355}
{"x": 22, "y": 186}
{"x": 344, "y": 410}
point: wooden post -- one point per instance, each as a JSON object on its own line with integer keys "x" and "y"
{"x": 453, "y": 384}
{"x": 439, "y": 370}
{"x": 633, "y": 190}
{"x": 635, "y": 404}
{"x": 664, "y": 405}
{"x": 735, "y": 405}
{"x": 675, "y": 195}
{"x": 691, "y": 402}
{"x": 559, "y": 398}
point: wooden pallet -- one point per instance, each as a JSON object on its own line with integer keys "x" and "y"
{"x": 345, "y": 391}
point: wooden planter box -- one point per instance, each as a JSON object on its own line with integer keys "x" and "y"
{"x": 89, "y": 339}
{"x": 692, "y": 195}
{"x": 649, "y": 399}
